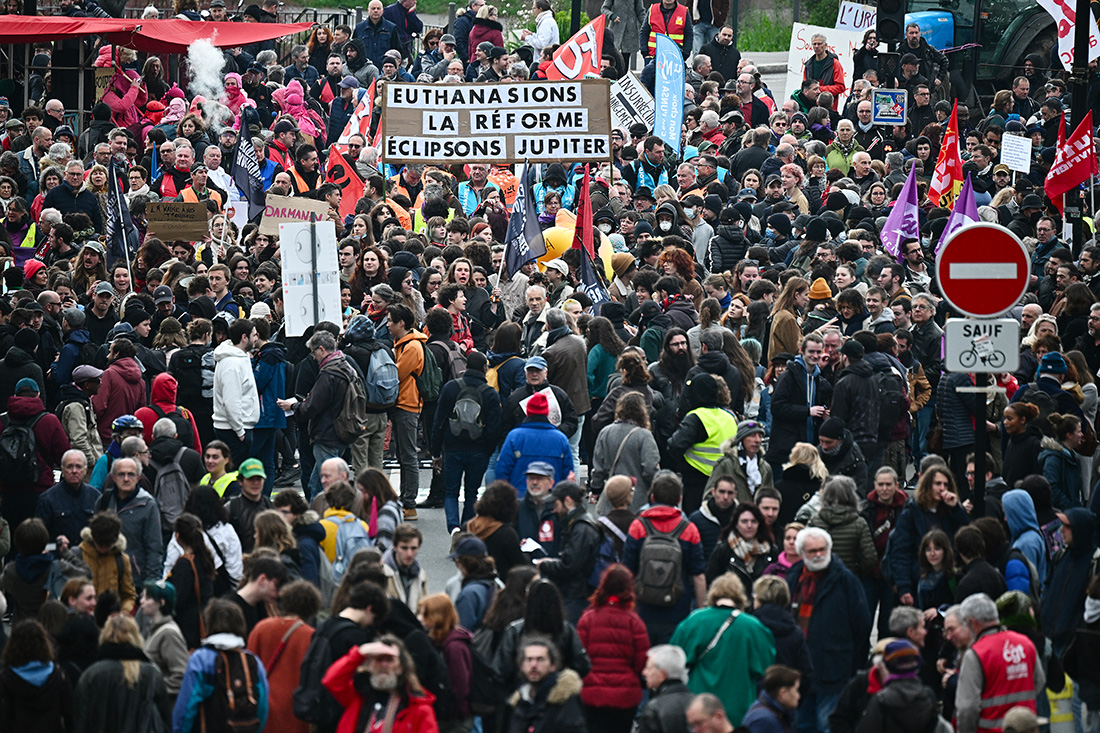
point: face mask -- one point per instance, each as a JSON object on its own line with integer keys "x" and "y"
{"x": 665, "y": 226}
{"x": 770, "y": 234}
{"x": 605, "y": 228}
{"x": 690, "y": 213}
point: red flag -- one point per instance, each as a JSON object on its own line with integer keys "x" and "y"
{"x": 360, "y": 119}
{"x": 1074, "y": 162}
{"x": 343, "y": 174}
{"x": 580, "y": 55}
{"x": 582, "y": 235}
{"x": 947, "y": 178}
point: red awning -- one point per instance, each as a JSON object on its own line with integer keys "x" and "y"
{"x": 155, "y": 36}
{"x": 175, "y": 35}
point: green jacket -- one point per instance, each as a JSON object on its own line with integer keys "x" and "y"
{"x": 852, "y": 541}
{"x": 732, "y": 669}
{"x": 730, "y": 465}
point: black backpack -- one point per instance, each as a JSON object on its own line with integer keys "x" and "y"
{"x": 187, "y": 367}
{"x": 19, "y": 450}
{"x": 466, "y": 421}
{"x": 487, "y": 690}
{"x": 184, "y": 432}
{"x": 312, "y": 702}
{"x": 234, "y": 705}
{"x": 1036, "y": 396}
{"x": 891, "y": 388}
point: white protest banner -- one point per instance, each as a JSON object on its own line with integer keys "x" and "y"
{"x": 841, "y": 42}
{"x": 497, "y": 123}
{"x": 1016, "y": 153}
{"x": 285, "y": 209}
{"x": 631, "y": 103}
{"x": 856, "y": 17}
{"x": 1064, "y": 13}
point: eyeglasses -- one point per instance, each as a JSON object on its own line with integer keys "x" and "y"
{"x": 754, "y": 263}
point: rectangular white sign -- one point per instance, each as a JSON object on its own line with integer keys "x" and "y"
{"x": 856, "y": 17}
{"x": 982, "y": 346}
{"x": 1016, "y": 153}
{"x": 843, "y": 43}
{"x": 631, "y": 103}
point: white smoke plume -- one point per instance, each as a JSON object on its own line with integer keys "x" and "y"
{"x": 205, "y": 64}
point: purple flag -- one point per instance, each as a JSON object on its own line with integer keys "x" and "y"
{"x": 904, "y": 219}
{"x": 965, "y": 212}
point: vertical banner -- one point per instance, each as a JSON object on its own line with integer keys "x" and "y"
{"x": 668, "y": 92}
{"x": 1065, "y": 18}
{"x": 579, "y": 57}
{"x": 947, "y": 177}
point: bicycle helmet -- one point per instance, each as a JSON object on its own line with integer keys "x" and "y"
{"x": 126, "y": 422}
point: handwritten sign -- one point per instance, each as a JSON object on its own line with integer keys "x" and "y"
{"x": 631, "y": 103}
{"x": 1016, "y": 153}
{"x": 856, "y": 17}
{"x": 288, "y": 209}
{"x": 172, "y": 221}
{"x": 843, "y": 43}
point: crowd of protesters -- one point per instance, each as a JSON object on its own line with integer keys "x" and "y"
{"x": 754, "y": 507}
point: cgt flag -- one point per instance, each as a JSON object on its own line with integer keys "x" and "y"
{"x": 1074, "y": 162}
{"x": 947, "y": 178}
{"x": 579, "y": 57}
{"x": 247, "y": 176}
{"x": 122, "y": 235}
{"x": 523, "y": 241}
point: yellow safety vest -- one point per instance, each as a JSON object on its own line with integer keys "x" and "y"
{"x": 221, "y": 484}
{"x": 29, "y": 240}
{"x": 720, "y": 426}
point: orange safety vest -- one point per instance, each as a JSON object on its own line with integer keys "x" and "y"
{"x": 675, "y": 29}
{"x": 506, "y": 181}
{"x": 191, "y": 197}
{"x": 300, "y": 182}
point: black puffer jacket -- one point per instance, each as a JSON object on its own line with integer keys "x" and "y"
{"x": 665, "y": 712}
{"x": 727, "y": 247}
{"x": 790, "y": 641}
{"x": 848, "y": 461}
{"x": 856, "y": 401}
{"x": 580, "y": 547}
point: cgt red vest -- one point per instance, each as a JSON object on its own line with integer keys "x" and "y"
{"x": 1008, "y": 665}
{"x": 675, "y": 29}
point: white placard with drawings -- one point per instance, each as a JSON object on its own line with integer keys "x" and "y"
{"x": 1016, "y": 153}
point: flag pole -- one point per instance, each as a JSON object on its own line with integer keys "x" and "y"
{"x": 500, "y": 270}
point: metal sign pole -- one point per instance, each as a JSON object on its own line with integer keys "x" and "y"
{"x": 316, "y": 276}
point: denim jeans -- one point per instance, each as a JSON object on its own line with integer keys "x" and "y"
{"x": 240, "y": 449}
{"x": 404, "y": 434}
{"x": 702, "y": 34}
{"x": 881, "y": 594}
{"x": 457, "y": 464}
{"x": 814, "y": 712}
{"x": 575, "y": 446}
{"x": 321, "y": 453}
{"x": 920, "y": 434}
{"x": 263, "y": 447}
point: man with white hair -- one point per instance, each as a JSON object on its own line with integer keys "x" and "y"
{"x": 710, "y": 128}
{"x": 830, "y": 608}
{"x": 998, "y": 672}
{"x": 535, "y": 320}
{"x": 665, "y": 675}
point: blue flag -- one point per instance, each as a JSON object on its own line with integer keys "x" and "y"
{"x": 668, "y": 92}
{"x": 523, "y": 241}
{"x": 122, "y": 235}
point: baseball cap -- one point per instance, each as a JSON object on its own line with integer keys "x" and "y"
{"x": 1001, "y": 168}
{"x": 497, "y": 52}
{"x": 539, "y": 468}
{"x": 349, "y": 82}
{"x": 284, "y": 126}
{"x": 469, "y": 547}
{"x": 250, "y": 468}
{"x": 448, "y": 38}
{"x": 1020, "y": 719}
{"x": 559, "y": 265}
{"x": 162, "y": 294}
{"x": 84, "y": 372}
{"x": 535, "y": 362}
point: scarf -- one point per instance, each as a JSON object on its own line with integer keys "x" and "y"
{"x": 807, "y": 595}
{"x": 667, "y": 302}
{"x": 866, "y": 128}
{"x": 874, "y": 684}
{"x": 747, "y": 550}
{"x": 482, "y": 527}
{"x": 845, "y": 149}
{"x": 752, "y": 471}
{"x": 723, "y": 516}
{"x": 372, "y": 527}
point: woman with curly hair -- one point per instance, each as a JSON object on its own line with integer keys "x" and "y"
{"x": 632, "y": 366}
{"x": 494, "y": 514}
{"x": 381, "y": 212}
{"x": 153, "y": 253}
{"x": 193, "y": 129}
{"x": 617, "y": 642}
{"x": 675, "y": 261}
{"x": 272, "y": 531}
{"x": 370, "y": 270}
{"x": 51, "y": 178}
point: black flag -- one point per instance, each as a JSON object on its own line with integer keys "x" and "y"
{"x": 246, "y": 174}
{"x": 122, "y": 235}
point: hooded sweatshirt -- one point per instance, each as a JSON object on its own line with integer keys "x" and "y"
{"x": 1024, "y": 526}
{"x": 164, "y": 395}
{"x": 1064, "y": 595}
{"x": 236, "y": 400}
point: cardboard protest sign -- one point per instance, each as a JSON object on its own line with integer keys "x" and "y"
{"x": 289, "y": 209}
{"x": 171, "y": 220}
{"x": 844, "y": 43}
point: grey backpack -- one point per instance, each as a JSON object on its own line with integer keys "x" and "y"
{"x": 660, "y": 579}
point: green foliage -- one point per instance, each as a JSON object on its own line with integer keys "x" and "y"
{"x": 763, "y": 32}
{"x": 563, "y": 18}
{"x": 823, "y": 12}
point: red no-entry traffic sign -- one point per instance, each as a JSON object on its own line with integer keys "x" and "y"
{"x": 983, "y": 269}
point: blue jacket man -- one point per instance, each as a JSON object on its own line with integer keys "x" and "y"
{"x": 403, "y": 15}
{"x": 269, "y": 368}
{"x": 378, "y": 34}
{"x": 342, "y": 108}
{"x": 535, "y": 440}
{"x": 66, "y": 507}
